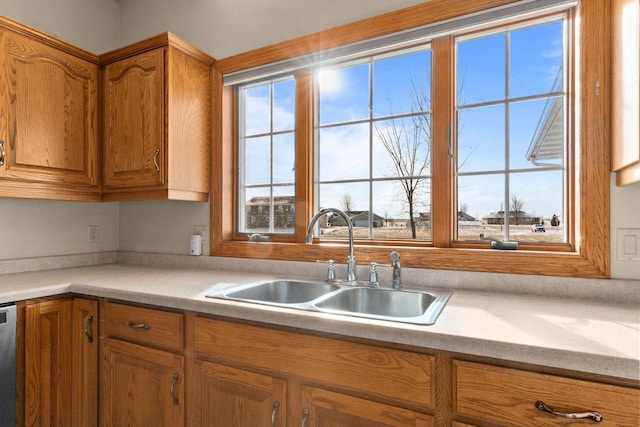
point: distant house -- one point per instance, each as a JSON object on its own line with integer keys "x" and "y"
{"x": 258, "y": 210}
{"x": 358, "y": 218}
{"x": 519, "y": 218}
{"x": 424, "y": 218}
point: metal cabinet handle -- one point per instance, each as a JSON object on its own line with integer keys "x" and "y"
{"x": 2, "y": 152}
{"x": 144, "y": 326}
{"x": 87, "y": 329}
{"x": 595, "y": 416}
{"x": 305, "y": 417}
{"x": 274, "y": 412}
{"x": 155, "y": 159}
{"x": 176, "y": 402}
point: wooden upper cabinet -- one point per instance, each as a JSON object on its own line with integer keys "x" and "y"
{"x": 157, "y": 121}
{"x": 625, "y": 99}
{"x": 49, "y": 122}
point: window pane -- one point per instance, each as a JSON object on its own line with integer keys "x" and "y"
{"x": 537, "y": 133}
{"x": 392, "y": 210}
{"x": 257, "y": 160}
{"x": 344, "y": 152}
{"x": 481, "y": 69}
{"x": 343, "y": 93}
{"x": 284, "y": 105}
{"x": 402, "y": 84}
{"x": 480, "y": 206}
{"x": 257, "y": 101}
{"x": 266, "y": 158}
{"x": 536, "y": 60}
{"x": 402, "y": 147}
{"x": 284, "y": 160}
{"x": 352, "y": 198}
{"x": 481, "y": 139}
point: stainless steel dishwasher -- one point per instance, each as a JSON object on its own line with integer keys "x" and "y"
{"x": 8, "y": 365}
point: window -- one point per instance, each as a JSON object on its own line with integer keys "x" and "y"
{"x": 512, "y": 133}
{"x": 373, "y": 145}
{"x": 266, "y": 157}
{"x": 505, "y": 142}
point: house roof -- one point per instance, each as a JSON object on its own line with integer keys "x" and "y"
{"x": 548, "y": 140}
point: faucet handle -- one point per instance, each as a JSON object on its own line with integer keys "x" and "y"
{"x": 373, "y": 275}
{"x": 331, "y": 270}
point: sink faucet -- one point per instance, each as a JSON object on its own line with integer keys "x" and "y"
{"x": 351, "y": 261}
{"x": 397, "y": 277}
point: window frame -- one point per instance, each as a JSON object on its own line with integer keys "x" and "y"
{"x": 588, "y": 257}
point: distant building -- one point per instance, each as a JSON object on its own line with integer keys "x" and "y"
{"x": 284, "y": 212}
{"x": 358, "y": 218}
{"x": 424, "y": 218}
{"x": 515, "y": 218}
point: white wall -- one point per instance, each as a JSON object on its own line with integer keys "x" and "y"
{"x": 161, "y": 226}
{"x": 224, "y": 28}
{"x": 90, "y": 24}
{"x": 34, "y": 228}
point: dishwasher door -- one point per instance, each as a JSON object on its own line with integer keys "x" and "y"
{"x": 8, "y": 365}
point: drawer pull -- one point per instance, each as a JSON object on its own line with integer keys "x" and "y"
{"x": 144, "y": 326}
{"x": 176, "y": 402}
{"x": 595, "y": 416}
{"x": 155, "y": 160}
{"x": 305, "y": 417}
{"x": 87, "y": 329}
{"x": 2, "y": 152}
{"x": 274, "y": 412}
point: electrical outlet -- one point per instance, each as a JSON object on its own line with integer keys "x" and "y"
{"x": 92, "y": 234}
{"x": 203, "y": 231}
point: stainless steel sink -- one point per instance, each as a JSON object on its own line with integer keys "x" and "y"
{"x": 386, "y": 304}
{"x": 420, "y": 307}
{"x": 279, "y": 292}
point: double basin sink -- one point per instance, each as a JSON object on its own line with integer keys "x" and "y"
{"x": 418, "y": 307}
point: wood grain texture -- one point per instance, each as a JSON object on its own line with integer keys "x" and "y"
{"x": 327, "y": 408}
{"x": 136, "y": 383}
{"x": 165, "y": 329}
{"x": 50, "y": 121}
{"x": 48, "y": 363}
{"x": 84, "y": 386}
{"x": 230, "y": 397}
{"x": 496, "y": 395}
{"x": 394, "y": 376}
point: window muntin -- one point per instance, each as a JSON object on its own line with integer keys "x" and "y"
{"x": 512, "y": 134}
{"x": 266, "y": 157}
{"x": 373, "y": 144}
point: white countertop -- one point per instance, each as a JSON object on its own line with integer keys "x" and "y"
{"x": 575, "y": 334}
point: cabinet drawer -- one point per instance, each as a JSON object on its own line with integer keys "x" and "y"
{"x": 147, "y": 326}
{"x": 508, "y": 396}
{"x": 398, "y": 377}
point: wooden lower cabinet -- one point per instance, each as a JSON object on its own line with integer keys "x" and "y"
{"x": 61, "y": 363}
{"x": 142, "y": 386}
{"x": 320, "y": 407}
{"x": 224, "y": 396}
{"x": 494, "y": 395}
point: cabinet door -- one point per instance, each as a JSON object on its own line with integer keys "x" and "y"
{"x": 84, "y": 361}
{"x": 48, "y": 365}
{"x": 230, "y": 397}
{"x": 134, "y": 131}
{"x": 141, "y": 386}
{"x": 320, "y": 407}
{"x": 49, "y": 121}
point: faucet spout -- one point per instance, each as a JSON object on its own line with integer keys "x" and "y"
{"x": 351, "y": 260}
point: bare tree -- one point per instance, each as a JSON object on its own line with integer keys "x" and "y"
{"x": 408, "y": 142}
{"x": 347, "y": 203}
{"x": 516, "y": 207}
